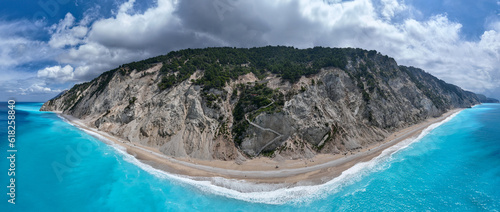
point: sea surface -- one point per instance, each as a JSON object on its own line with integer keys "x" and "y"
{"x": 452, "y": 166}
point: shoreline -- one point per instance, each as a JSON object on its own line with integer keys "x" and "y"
{"x": 317, "y": 170}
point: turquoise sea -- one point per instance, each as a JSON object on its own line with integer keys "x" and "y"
{"x": 451, "y": 167}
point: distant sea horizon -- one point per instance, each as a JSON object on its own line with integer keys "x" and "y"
{"x": 451, "y": 166}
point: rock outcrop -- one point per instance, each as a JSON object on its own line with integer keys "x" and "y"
{"x": 337, "y": 108}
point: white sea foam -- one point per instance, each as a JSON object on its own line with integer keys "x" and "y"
{"x": 67, "y": 121}
{"x": 276, "y": 194}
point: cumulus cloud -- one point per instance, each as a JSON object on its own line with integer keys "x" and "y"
{"x": 16, "y": 46}
{"x": 437, "y": 46}
{"x": 19, "y": 52}
{"x": 435, "y": 43}
{"x": 57, "y": 73}
{"x": 66, "y": 33}
{"x": 391, "y": 8}
{"x": 136, "y": 31}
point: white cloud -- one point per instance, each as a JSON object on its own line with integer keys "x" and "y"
{"x": 16, "y": 49}
{"x": 82, "y": 71}
{"x": 37, "y": 89}
{"x": 435, "y": 43}
{"x": 391, "y": 8}
{"x": 26, "y": 86}
{"x": 124, "y": 38}
{"x": 437, "y": 46}
{"x": 19, "y": 51}
{"x": 136, "y": 31}
{"x": 57, "y": 73}
{"x": 126, "y": 7}
{"x": 66, "y": 33}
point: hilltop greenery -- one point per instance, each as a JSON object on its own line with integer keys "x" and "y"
{"x": 222, "y": 64}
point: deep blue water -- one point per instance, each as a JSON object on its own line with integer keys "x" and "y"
{"x": 455, "y": 167}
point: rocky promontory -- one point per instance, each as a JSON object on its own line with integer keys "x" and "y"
{"x": 235, "y": 103}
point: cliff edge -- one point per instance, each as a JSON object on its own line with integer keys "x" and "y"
{"x": 230, "y": 103}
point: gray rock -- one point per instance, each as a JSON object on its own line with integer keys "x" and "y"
{"x": 342, "y": 111}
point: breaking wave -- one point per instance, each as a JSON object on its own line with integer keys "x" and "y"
{"x": 276, "y": 194}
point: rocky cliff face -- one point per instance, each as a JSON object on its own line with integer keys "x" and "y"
{"x": 484, "y": 99}
{"x": 332, "y": 110}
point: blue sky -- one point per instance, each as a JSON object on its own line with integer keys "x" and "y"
{"x": 475, "y": 16}
{"x": 49, "y": 45}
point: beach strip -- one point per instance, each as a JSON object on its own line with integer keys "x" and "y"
{"x": 317, "y": 170}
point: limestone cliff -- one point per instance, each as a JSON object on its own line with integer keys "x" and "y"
{"x": 225, "y": 103}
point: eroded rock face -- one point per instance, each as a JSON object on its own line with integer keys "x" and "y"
{"x": 331, "y": 112}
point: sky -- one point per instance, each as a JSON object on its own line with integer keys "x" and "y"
{"x": 46, "y": 46}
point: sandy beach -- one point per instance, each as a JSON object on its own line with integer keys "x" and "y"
{"x": 317, "y": 170}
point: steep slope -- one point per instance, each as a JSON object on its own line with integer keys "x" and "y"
{"x": 217, "y": 103}
{"x": 484, "y": 99}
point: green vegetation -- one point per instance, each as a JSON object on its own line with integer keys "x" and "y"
{"x": 102, "y": 81}
{"x": 367, "y": 65}
{"x": 73, "y": 92}
{"x": 413, "y": 74}
{"x": 132, "y": 100}
{"x": 268, "y": 153}
{"x": 218, "y": 66}
{"x": 223, "y": 130}
{"x": 144, "y": 64}
{"x": 330, "y": 136}
{"x": 213, "y": 99}
{"x": 254, "y": 100}
{"x": 222, "y": 64}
